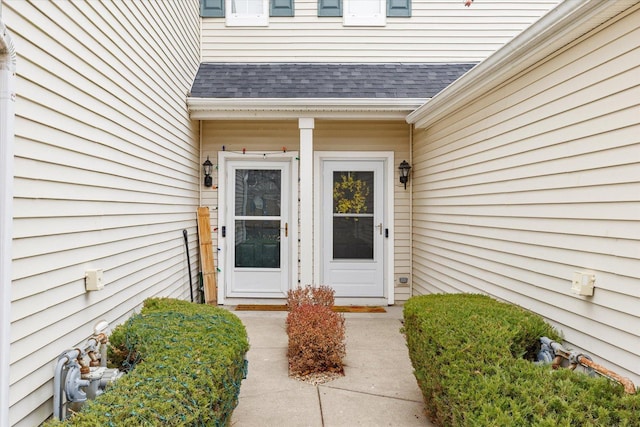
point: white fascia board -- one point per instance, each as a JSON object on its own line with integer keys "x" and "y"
{"x": 287, "y": 108}
{"x": 565, "y": 23}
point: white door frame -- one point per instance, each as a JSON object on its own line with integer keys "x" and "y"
{"x": 389, "y": 248}
{"x": 223, "y": 158}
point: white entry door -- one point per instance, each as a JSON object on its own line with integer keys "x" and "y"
{"x": 353, "y": 227}
{"x": 258, "y": 231}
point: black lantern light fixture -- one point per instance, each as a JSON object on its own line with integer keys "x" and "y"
{"x": 404, "y": 173}
{"x": 207, "y": 167}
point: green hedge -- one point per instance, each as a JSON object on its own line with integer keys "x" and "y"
{"x": 189, "y": 362}
{"x": 472, "y": 359}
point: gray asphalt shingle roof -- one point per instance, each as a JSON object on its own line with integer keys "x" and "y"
{"x": 324, "y": 80}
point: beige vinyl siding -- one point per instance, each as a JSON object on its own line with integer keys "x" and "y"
{"x": 537, "y": 179}
{"x": 438, "y": 31}
{"x": 106, "y": 174}
{"x": 271, "y": 136}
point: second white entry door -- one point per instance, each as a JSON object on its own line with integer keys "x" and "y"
{"x": 353, "y": 227}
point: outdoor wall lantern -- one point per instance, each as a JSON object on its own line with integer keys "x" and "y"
{"x": 207, "y": 167}
{"x": 404, "y": 173}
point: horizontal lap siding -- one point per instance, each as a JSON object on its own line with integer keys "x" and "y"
{"x": 270, "y": 136}
{"x": 107, "y": 170}
{"x": 438, "y": 31}
{"x": 537, "y": 179}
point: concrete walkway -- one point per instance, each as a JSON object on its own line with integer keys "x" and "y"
{"x": 378, "y": 388}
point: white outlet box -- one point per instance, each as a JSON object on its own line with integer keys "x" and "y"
{"x": 93, "y": 280}
{"x": 583, "y": 283}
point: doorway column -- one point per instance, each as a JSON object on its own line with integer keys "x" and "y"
{"x": 306, "y": 126}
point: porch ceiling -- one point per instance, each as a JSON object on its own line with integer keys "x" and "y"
{"x": 326, "y": 90}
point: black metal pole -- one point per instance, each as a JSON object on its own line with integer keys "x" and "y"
{"x": 186, "y": 245}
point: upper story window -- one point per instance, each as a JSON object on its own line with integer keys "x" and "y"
{"x": 247, "y": 12}
{"x": 365, "y": 12}
{"x": 257, "y": 12}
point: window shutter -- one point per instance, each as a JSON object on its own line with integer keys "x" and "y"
{"x": 329, "y": 7}
{"x": 281, "y": 8}
{"x": 399, "y": 8}
{"x": 212, "y": 8}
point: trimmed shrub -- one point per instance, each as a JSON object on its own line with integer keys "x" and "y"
{"x": 472, "y": 360}
{"x": 316, "y": 340}
{"x": 186, "y": 363}
{"x": 321, "y": 295}
{"x": 316, "y": 333}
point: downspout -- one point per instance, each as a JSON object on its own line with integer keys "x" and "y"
{"x": 200, "y": 203}
{"x": 411, "y": 129}
{"x": 7, "y": 111}
{"x": 201, "y": 155}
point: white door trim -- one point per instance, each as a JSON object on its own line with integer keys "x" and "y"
{"x": 389, "y": 247}
{"x": 223, "y": 158}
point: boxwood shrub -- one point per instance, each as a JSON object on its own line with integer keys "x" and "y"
{"x": 472, "y": 357}
{"x": 186, "y": 363}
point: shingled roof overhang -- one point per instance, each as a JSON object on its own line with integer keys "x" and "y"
{"x": 321, "y": 90}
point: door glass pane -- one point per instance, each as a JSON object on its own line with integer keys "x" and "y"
{"x": 257, "y": 192}
{"x": 353, "y": 215}
{"x": 352, "y": 238}
{"x": 257, "y": 243}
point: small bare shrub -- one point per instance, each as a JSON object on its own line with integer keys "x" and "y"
{"x": 316, "y": 339}
{"x": 321, "y": 295}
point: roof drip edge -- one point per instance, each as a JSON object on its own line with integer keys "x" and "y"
{"x": 340, "y": 108}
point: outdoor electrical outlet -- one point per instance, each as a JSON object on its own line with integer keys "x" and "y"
{"x": 583, "y": 283}
{"x": 93, "y": 280}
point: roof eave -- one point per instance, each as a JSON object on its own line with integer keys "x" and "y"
{"x": 567, "y": 21}
{"x": 290, "y": 108}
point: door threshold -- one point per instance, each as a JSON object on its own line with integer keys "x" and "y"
{"x": 262, "y": 301}
{"x": 369, "y": 301}
{"x": 345, "y": 301}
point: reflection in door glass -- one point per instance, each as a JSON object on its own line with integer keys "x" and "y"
{"x": 257, "y": 244}
{"x": 257, "y": 192}
{"x": 353, "y": 215}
